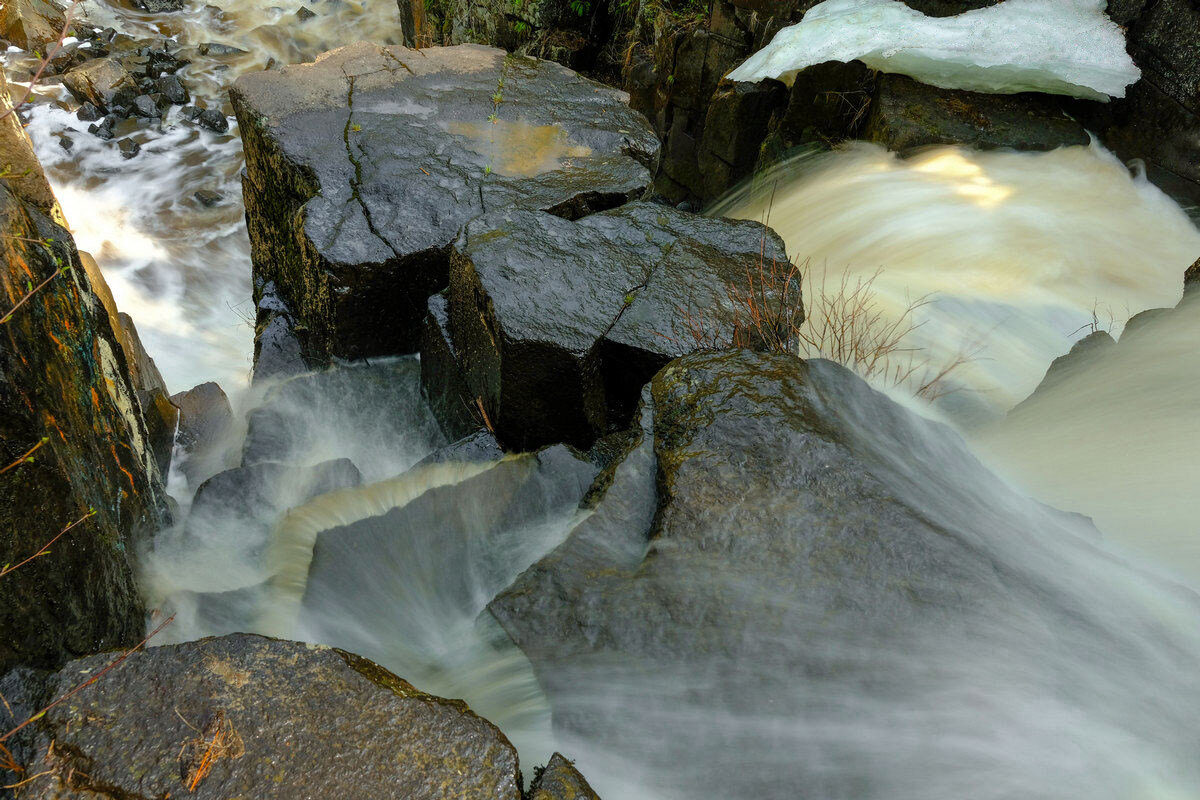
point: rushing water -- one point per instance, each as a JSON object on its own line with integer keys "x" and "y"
{"x": 1020, "y": 254}
{"x": 179, "y": 268}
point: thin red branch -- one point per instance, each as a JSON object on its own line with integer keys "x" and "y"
{"x": 90, "y": 680}
{"x": 67, "y": 19}
{"x": 46, "y": 547}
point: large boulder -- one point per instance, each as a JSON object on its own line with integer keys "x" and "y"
{"x": 787, "y": 564}
{"x": 558, "y": 324}
{"x": 101, "y": 82}
{"x": 67, "y": 402}
{"x": 30, "y": 24}
{"x": 362, "y": 167}
{"x": 245, "y": 716}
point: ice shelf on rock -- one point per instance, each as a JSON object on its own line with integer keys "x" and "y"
{"x": 1056, "y": 46}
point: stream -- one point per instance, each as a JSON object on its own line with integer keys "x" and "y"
{"x": 1002, "y": 259}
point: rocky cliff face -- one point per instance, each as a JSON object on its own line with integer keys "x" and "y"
{"x": 69, "y": 408}
{"x": 672, "y": 56}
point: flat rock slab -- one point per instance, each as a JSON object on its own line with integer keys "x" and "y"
{"x": 558, "y": 324}
{"x": 289, "y": 721}
{"x": 362, "y": 167}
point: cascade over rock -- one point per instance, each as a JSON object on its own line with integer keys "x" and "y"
{"x": 362, "y": 167}
{"x": 66, "y": 383}
{"x": 766, "y": 505}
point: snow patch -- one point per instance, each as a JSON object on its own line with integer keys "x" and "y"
{"x": 1055, "y": 46}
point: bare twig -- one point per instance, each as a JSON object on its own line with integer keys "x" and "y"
{"x": 26, "y": 457}
{"x": 29, "y": 294}
{"x": 46, "y": 547}
{"x": 115, "y": 663}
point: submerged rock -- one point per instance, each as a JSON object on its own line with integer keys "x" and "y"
{"x": 559, "y": 324}
{"x": 245, "y": 716}
{"x": 371, "y": 410}
{"x": 362, "y": 167}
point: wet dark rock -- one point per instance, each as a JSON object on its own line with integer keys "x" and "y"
{"x": 66, "y": 395}
{"x": 907, "y": 114}
{"x": 559, "y": 324}
{"x": 160, "y": 414}
{"x": 767, "y": 503}
{"x": 214, "y": 120}
{"x": 277, "y": 703}
{"x": 66, "y": 142}
{"x": 147, "y": 106}
{"x": 190, "y": 112}
{"x": 478, "y": 447}
{"x": 304, "y": 14}
{"x": 1191, "y": 278}
{"x": 173, "y": 89}
{"x": 30, "y": 24}
{"x": 559, "y": 780}
{"x": 98, "y": 82}
{"x": 278, "y": 352}
{"x": 362, "y": 167}
{"x": 218, "y": 49}
{"x": 208, "y": 198}
{"x": 1159, "y": 115}
{"x": 737, "y": 122}
{"x": 103, "y": 129}
{"x": 88, "y": 112}
{"x": 129, "y": 148}
{"x": 205, "y": 418}
{"x": 947, "y": 8}
{"x": 442, "y": 380}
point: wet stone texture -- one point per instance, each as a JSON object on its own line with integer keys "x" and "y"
{"x": 277, "y": 720}
{"x": 362, "y": 167}
{"x": 558, "y": 324}
{"x": 66, "y": 393}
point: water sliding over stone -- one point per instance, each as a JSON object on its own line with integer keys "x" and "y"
{"x": 695, "y": 570}
{"x": 1019, "y": 254}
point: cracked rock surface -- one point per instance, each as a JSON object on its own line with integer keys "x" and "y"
{"x": 362, "y": 167}
{"x": 275, "y": 719}
{"x": 558, "y": 324}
